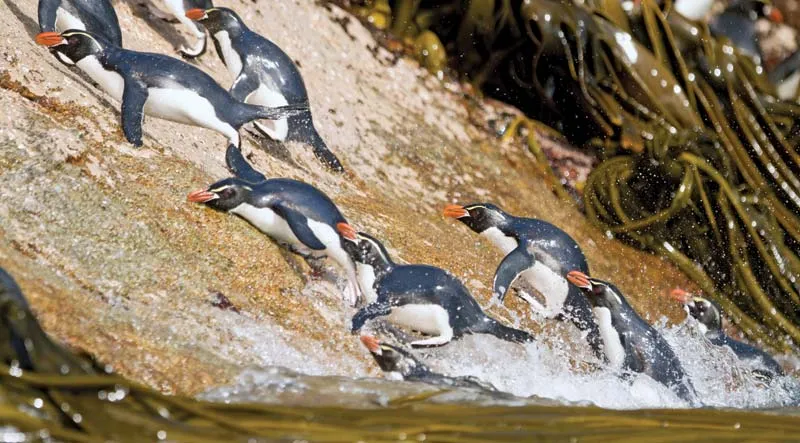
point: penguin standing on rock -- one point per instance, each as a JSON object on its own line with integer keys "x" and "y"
{"x": 160, "y": 86}
{"x": 296, "y": 215}
{"x": 177, "y": 11}
{"x": 264, "y": 75}
{"x": 399, "y": 363}
{"x": 538, "y": 253}
{"x": 95, "y": 16}
{"x": 418, "y": 297}
{"x": 709, "y": 320}
{"x": 629, "y": 342}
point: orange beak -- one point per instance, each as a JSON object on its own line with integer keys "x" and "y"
{"x": 49, "y": 39}
{"x": 455, "y": 211}
{"x": 196, "y": 14}
{"x": 201, "y": 196}
{"x": 680, "y": 295}
{"x": 775, "y": 15}
{"x": 371, "y": 343}
{"x": 347, "y": 231}
{"x": 579, "y": 279}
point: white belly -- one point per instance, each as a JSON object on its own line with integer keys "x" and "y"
{"x": 787, "y": 89}
{"x": 187, "y": 107}
{"x": 693, "y": 9}
{"x": 366, "y": 281}
{"x": 266, "y": 221}
{"x": 429, "y": 319}
{"x": 504, "y": 243}
{"x": 612, "y": 346}
{"x": 264, "y": 96}
{"x": 66, "y": 21}
{"x": 109, "y": 81}
{"x": 551, "y": 285}
{"x": 232, "y": 59}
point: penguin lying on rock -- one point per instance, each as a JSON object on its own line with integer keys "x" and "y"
{"x": 296, "y": 215}
{"x": 538, "y": 253}
{"x": 95, "y": 16}
{"x": 264, "y": 75}
{"x": 177, "y": 11}
{"x": 709, "y": 320}
{"x": 398, "y": 363}
{"x": 418, "y": 297}
{"x": 629, "y": 342}
{"x": 159, "y": 86}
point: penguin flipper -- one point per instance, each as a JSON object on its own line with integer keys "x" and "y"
{"x": 133, "y": 99}
{"x": 298, "y": 223}
{"x": 243, "y": 86}
{"x": 514, "y": 264}
{"x": 368, "y": 313}
{"x": 47, "y": 16}
{"x": 240, "y": 167}
{"x": 634, "y": 358}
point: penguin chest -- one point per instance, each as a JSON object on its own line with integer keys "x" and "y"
{"x": 268, "y": 222}
{"x": 550, "y": 284}
{"x": 612, "y": 345}
{"x": 109, "y": 81}
{"x": 426, "y": 318}
{"x": 366, "y": 281}
{"x": 503, "y": 242}
{"x": 232, "y": 59}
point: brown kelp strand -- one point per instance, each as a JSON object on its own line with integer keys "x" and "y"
{"x": 47, "y": 393}
{"x": 699, "y": 159}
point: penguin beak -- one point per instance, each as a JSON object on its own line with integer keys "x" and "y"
{"x": 680, "y": 295}
{"x": 347, "y": 232}
{"x": 455, "y": 211}
{"x": 50, "y": 39}
{"x": 196, "y": 14}
{"x": 774, "y": 14}
{"x": 579, "y": 279}
{"x": 202, "y": 196}
{"x": 372, "y": 344}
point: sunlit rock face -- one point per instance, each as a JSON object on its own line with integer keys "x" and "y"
{"x": 117, "y": 263}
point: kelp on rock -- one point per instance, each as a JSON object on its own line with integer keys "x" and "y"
{"x": 699, "y": 159}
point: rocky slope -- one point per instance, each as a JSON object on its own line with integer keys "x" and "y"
{"x": 118, "y": 264}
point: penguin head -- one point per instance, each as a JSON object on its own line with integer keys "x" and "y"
{"x": 215, "y": 19}
{"x": 391, "y": 358}
{"x": 223, "y": 195}
{"x": 601, "y": 294}
{"x": 363, "y": 248}
{"x": 71, "y": 46}
{"x": 478, "y": 216}
{"x": 706, "y": 312}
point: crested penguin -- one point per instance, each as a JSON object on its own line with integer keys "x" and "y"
{"x": 263, "y": 75}
{"x": 160, "y": 86}
{"x": 630, "y": 343}
{"x": 296, "y": 215}
{"x": 94, "y": 16}
{"x": 177, "y": 10}
{"x": 399, "y": 363}
{"x": 418, "y": 297}
{"x": 538, "y": 253}
{"x": 709, "y": 321}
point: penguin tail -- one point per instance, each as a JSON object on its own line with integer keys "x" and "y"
{"x": 503, "y": 332}
{"x": 247, "y": 112}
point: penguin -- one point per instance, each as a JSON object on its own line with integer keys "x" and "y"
{"x": 738, "y": 23}
{"x": 160, "y": 86}
{"x": 295, "y": 214}
{"x": 538, "y": 253}
{"x": 95, "y": 16}
{"x": 709, "y": 320}
{"x": 693, "y": 9}
{"x": 177, "y": 10}
{"x": 630, "y": 343}
{"x": 264, "y": 75}
{"x": 786, "y": 77}
{"x": 418, "y": 297}
{"x": 401, "y": 364}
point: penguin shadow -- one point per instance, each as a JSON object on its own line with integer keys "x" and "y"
{"x": 161, "y": 26}
{"x": 317, "y": 265}
{"x": 31, "y": 26}
{"x": 274, "y": 148}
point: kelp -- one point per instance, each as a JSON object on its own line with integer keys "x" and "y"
{"x": 48, "y": 393}
{"x": 699, "y": 157}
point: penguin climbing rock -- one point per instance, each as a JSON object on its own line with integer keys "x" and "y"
{"x": 398, "y": 363}
{"x": 264, "y": 75}
{"x": 738, "y": 23}
{"x": 95, "y": 16}
{"x": 709, "y": 320}
{"x": 629, "y": 342}
{"x": 540, "y": 255}
{"x": 159, "y": 86}
{"x": 177, "y": 11}
{"x": 296, "y": 215}
{"x": 418, "y": 297}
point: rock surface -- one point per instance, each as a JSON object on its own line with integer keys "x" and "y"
{"x": 117, "y": 263}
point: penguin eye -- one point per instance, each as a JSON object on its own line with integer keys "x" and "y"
{"x": 226, "y": 193}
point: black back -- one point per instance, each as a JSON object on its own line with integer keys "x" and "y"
{"x": 97, "y": 15}
{"x": 299, "y": 196}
